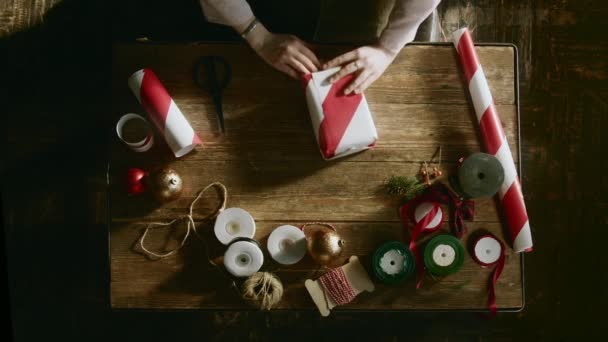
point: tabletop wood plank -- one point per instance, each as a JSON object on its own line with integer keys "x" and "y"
{"x": 270, "y": 162}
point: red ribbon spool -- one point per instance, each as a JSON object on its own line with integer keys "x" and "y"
{"x": 427, "y": 217}
{"x": 489, "y": 251}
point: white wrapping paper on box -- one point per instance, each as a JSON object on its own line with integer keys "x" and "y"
{"x": 342, "y": 124}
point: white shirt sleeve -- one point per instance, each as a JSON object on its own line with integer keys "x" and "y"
{"x": 233, "y": 13}
{"x": 403, "y": 22}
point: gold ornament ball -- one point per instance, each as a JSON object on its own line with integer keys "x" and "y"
{"x": 324, "y": 245}
{"x": 166, "y": 185}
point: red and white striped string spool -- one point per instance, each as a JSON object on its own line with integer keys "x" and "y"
{"x": 163, "y": 111}
{"x": 342, "y": 124}
{"x": 495, "y": 141}
{"x": 336, "y": 285}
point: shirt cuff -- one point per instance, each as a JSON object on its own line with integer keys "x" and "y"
{"x": 235, "y": 13}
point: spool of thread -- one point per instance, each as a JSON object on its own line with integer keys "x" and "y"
{"x": 443, "y": 255}
{"x": 233, "y": 223}
{"x": 135, "y": 131}
{"x": 287, "y": 244}
{"x": 243, "y": 257}
{"x": 264, "y": 290}
{"x": 393, "y": 262}
{"x": 479, "y": 176}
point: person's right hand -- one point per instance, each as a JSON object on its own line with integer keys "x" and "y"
{"x": 285, "y": 52}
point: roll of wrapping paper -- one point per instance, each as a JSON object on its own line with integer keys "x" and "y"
{"x": 443, "y": 255}
{"x": 393, "y": 262}
{"x": 163, "y": 111}
{"x": 480, "y": 175}
{"x": 495, "y": 141}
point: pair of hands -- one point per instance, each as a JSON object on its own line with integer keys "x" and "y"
{"x": 294, "y": 57}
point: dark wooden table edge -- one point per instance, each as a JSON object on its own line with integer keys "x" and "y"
{"x": 109, "y": 211}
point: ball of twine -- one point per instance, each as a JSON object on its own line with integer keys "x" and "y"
{"x": 262, "y": 289}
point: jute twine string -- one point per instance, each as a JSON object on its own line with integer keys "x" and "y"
{"x": 262, "y": 289}
{"x": 190, "y": 225}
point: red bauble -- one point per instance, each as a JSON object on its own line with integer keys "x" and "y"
{"x": 135, "y": 181}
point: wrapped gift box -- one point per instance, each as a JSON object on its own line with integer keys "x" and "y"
{"x": 342, "y": 124}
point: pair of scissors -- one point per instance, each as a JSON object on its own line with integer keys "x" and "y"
{"x": 212, "y": 74}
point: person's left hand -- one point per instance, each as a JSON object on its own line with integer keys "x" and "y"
{"x": 368, "y": 61}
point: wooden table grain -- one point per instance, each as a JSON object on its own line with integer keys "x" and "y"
{"x": 270, "y": 163}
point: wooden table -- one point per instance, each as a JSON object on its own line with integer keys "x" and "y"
{"x": 271, "y": 165}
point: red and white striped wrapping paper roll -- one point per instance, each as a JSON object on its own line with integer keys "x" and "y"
{"x": 163, "y": 111}
{"x": 495, "y": 141}
{"x": 342, "y": 124}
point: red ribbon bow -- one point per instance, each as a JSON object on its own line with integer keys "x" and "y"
{"x": 460, "y": 209}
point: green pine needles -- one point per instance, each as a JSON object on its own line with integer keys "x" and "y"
{"x": 406, "y": 187}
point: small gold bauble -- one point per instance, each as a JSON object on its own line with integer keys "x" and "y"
{"x": 324, "y": 244}
{"x": 166, "y": 185}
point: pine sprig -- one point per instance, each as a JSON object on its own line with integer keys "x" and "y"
{"x": 406, "y": 187}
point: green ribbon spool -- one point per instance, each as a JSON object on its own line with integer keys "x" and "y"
{"x": 443, "y": 255}
{"x": 479, "y": 176}
{"x": 393, "y": 262}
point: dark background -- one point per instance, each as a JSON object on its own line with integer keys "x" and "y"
{"x": 55, "y": 66}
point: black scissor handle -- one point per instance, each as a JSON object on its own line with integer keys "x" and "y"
{"x": 211, "y": 82}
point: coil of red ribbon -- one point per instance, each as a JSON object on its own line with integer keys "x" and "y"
{"x": 489, "y": 251}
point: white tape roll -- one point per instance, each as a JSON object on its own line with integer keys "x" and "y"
{"x": 233, "y": 223}
{"x": 137, "y": 146}
{"x": 444, "y": 255}
{"x": 287, "y": 244}
{"x": 487, "y": 250}
{"x": 423, "y": 209}
{"x": 243, "y": 258}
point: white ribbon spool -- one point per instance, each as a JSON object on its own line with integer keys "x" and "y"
{"x": 423, "y": 209}
{"x": 233, "y": 223}
{"x": 444, "y": 255}
{"x": 487, "y": 250}
{"x": 287, "y": 244}
{"x": 392, "y": 262}
{"x": 138, "y": 146}
{"x": 243, "y": 258}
